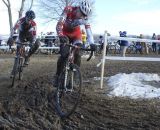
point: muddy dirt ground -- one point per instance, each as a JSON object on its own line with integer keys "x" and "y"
{"x": 29, "y": 105}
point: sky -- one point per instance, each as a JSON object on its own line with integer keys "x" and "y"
{"x": 133, "y": 16}
{"x": 133, "y": 85}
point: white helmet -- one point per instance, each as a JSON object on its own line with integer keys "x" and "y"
{"x": 85, "y": 7}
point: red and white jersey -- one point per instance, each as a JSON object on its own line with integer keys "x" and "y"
{"x": 69, "y": 25}
{"x": 24, "y": 27}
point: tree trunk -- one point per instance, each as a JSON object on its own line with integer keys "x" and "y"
{"x": 21, "y": 9}
{"x": 31, "y": 5}
{"x": 8, "y": 5}
{"x": 10, "y": 19}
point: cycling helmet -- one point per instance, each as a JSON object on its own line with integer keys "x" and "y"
{"x": 85, "y": 7}
{"x": 30, "y": 15}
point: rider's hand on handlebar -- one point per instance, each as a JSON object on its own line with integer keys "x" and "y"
{"x": 10, "y": 41}
{"x": 63, "y": 39}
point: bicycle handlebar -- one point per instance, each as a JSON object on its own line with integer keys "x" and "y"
{"x": 74, "y": 46}
{"x": 23, "y": 43}
{"x": 91, "y": 54}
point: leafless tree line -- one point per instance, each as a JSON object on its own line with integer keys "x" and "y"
{"x": 47, "y": 9}
{"x": 52, "y": 9}
{"x": 20, "y": 12}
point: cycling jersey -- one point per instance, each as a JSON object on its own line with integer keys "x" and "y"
{"x": 69, "y": 25}
{"x": 25, "y": 29}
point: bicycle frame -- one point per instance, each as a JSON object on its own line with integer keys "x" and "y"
{"x": 70, "y": 60}
{"x": 19, "y": 61}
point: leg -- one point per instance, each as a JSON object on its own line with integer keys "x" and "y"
{"x": 77, "y": 55}
{"x": 77, "y": 59}
{"x": 60, "y": 65}
{"x": 32, "y": 50}
{"x": 146, "y": 48}
{"x": 34, "y": 47}
{"x": 64, "y": 51}
{"x": 123, "y": 49}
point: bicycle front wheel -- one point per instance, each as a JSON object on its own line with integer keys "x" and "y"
{"x": 20, "y": 68}
{"x": 68, "y": 92}
{"x": 15, "y": 70}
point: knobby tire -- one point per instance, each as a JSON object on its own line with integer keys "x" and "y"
{"x": 66, "y": 102}
{"x": 20, "y": 68}
{"x": 15, "y": 71}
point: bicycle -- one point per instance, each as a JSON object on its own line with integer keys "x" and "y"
{"x": 68, "y": 92}
{"x": 113, "y": 48}
{"x": 19, "y": 62}
{"x": 131, "y": 49}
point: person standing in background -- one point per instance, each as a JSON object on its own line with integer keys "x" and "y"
{"x": 84, "y": 38}
{"x": 144, "y": 44}
{"x": 154, "y": 46}
{"x": 101, "y": 42}
{"x": 123, "y": 43}
{"x": 0, "y": 40}
{"x": 158, "y": 45}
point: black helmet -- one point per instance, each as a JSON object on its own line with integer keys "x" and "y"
{"x": 30, "y": 15}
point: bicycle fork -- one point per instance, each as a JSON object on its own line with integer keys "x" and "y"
{"x": 70, "y": 79}
{"x": 15, "y": 67}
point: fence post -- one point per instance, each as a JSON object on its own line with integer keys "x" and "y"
{"x": 103, "y": 58}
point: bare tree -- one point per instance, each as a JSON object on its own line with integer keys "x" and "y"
{"x": 8, "y": 4}
{"x": 31, "y": 5}
{"x": 52, "y": 9}
{"x": 22, "y": 7}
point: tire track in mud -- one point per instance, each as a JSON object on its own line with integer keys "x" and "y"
{"x": 30, "y": 104}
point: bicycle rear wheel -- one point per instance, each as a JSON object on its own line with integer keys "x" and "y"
{"x": 131, "y": 49}
{"x": 67, "y": 98}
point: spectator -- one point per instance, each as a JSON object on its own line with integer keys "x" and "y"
{"x": 139, "y": 47}
{"x": 0, "y": 42}
{"x": 84, "y": 38}
{"x": 154, "y": 46}
{"x": 158, "y": 45}
{"x": 123, "y": 43}
{"x": 101, "y": 42}
{"x": 144, "y": 45}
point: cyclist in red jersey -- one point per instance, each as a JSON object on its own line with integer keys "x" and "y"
{"x": 69, "y": 25}
{"x": 26, "y": 27}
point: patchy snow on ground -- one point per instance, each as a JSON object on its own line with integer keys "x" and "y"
{"x": 134, "y": 85}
